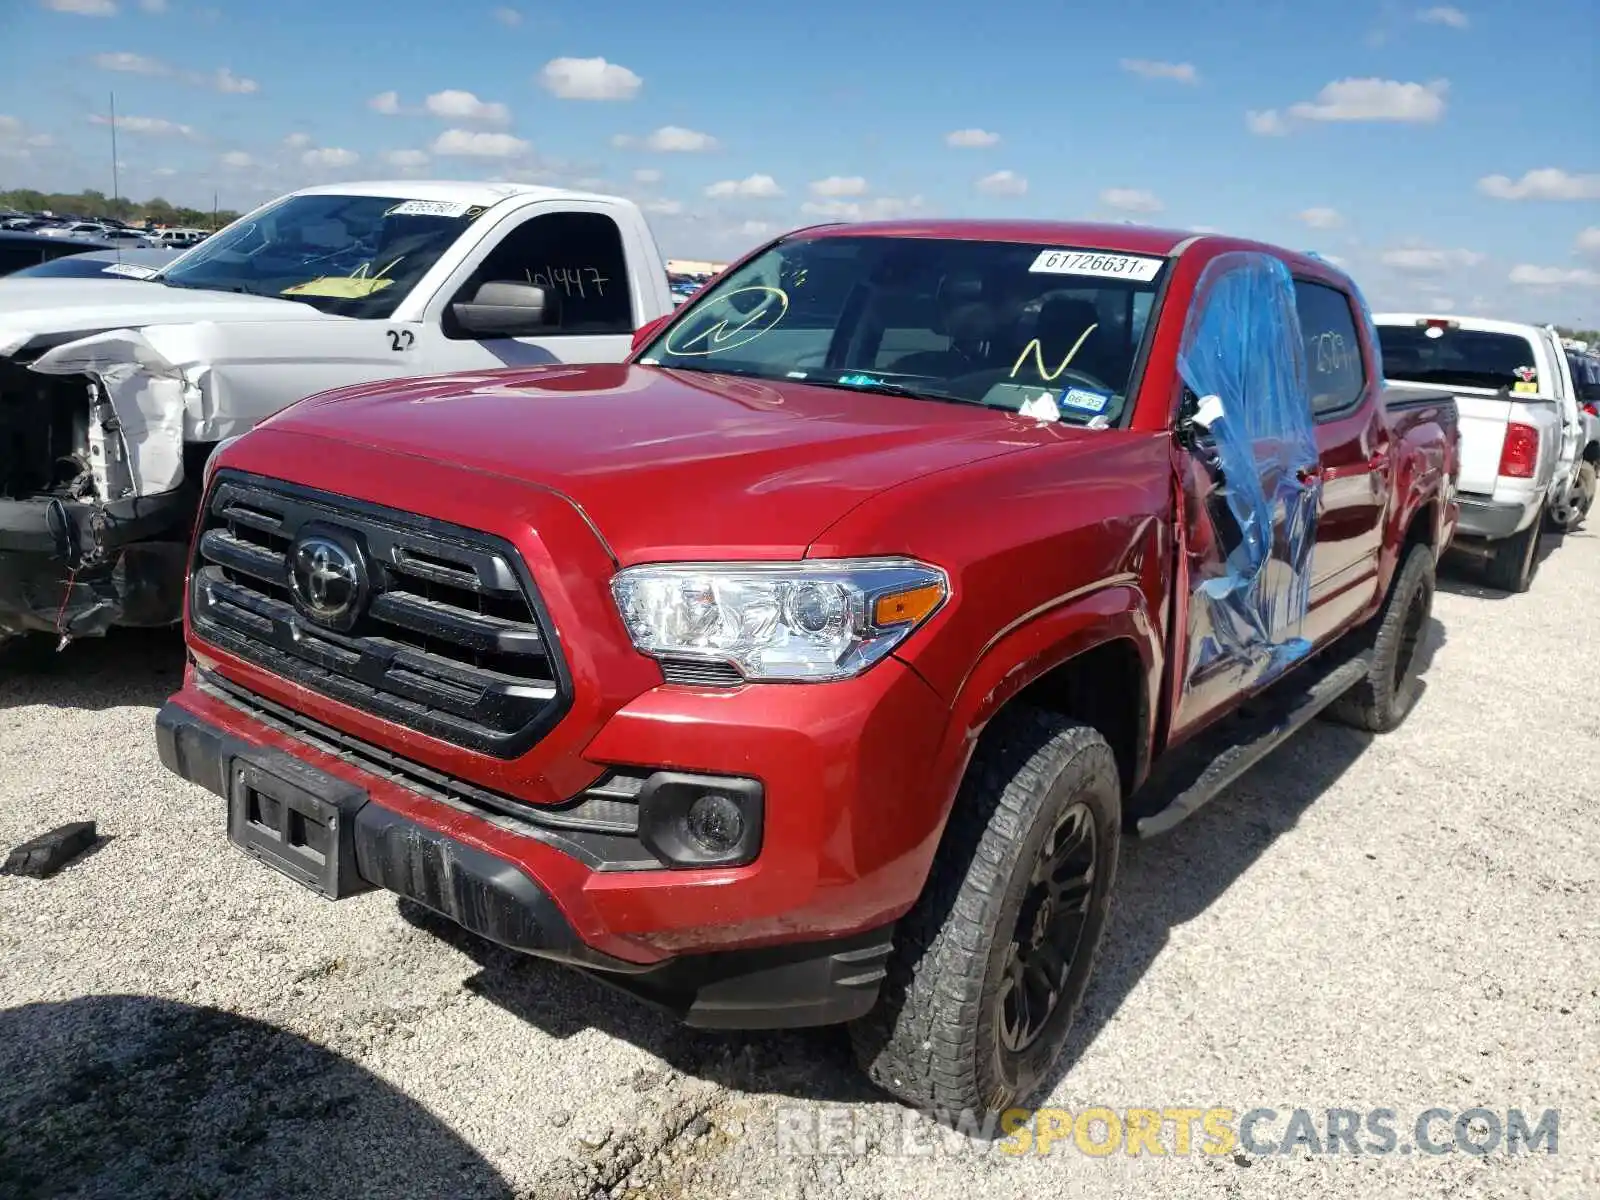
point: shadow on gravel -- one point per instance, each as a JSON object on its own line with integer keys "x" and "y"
{"x": 132, "y": 1097}
{"x": 811, "y": 1064}
{"x": 126, "y": 667}
{"x": 1462, "y": 574}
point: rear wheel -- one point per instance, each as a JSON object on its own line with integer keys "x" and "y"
{"x": 1515, "y": 561}
{"x": 990, "y": 965}
{"x": 1383, "y": 697}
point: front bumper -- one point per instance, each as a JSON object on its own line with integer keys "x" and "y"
{"x": 76, "y": 569}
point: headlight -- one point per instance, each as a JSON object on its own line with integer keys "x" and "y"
{"x": 803, "y": 621}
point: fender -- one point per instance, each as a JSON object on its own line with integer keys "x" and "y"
{"x": 1036, "y": 643}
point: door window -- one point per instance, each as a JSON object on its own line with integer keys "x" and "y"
{"x": 579, "y": 261}
{"x": 1334, "y": 369}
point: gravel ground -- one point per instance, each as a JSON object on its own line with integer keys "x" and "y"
{"x": 1408, "y": 922}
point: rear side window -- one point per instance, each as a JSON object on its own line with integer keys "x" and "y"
{"x": 1333, "y": 350}
{"x": 576, "y": 257}
{"x": 1473, "y": 358}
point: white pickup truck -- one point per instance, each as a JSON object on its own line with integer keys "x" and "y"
{"x": 1522, "y": 431}
{"x": 114, "y": 392}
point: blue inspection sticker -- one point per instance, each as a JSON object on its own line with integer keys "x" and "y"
{"x": 1085, "y": 400}
{"x": 860, "y": 381}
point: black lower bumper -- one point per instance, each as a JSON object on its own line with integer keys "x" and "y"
{"x": 77, "y": 569}
{"x": 813, "y": 983}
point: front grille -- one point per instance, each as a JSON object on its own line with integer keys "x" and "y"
{"x": 452, "y": 639}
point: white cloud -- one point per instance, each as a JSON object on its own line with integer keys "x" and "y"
{"x": 464, "y": 106}
{"x": 1266, "y": 123}
{"x": 1529, "y": 276}
{"x": 1444, "y": 14}
{"x": 673, "y": 139}
{"x": 1441, "y": 303}
{"x": 150, "y": 126}
{"x": 1546, "y": 183}
{"x": 1375, "y": 100}
{"x": 1336, "y": 260}
{"x": 1322, "y": 218}
{"x": 879, "y": 208}
{"x": 971, "y": 139}
{"x": 406, "y": 159}
{"x": 387, "y": 103}
{"x": 755, "y": 228}
{"x": 297, "y": 141}
{"x": 10, "y": 127}
{"x": 1131, "y": 200}
{"x": 84, "y": 8}
{"x": 155, "y": 8}
{"x": 165, "y": 172}
{"x": 1589, "y": 240}
{"x": 663, "y": 208}
{"x": 222, "y": 79}
{"x": 1151, "y": 69}
{"x": 839, "y": 185}
{"x": 237, "y": 159}
{"x": 509, "y": 17}
{"x": 763, "y": 187}
{"x": 330, "y": 156}
{"x": 133, "y": 64}
{"x": 465, "y": 143}
{"x": 1425, "y": 260}
{"x": 589, "y": 79}
{"x": 39, "y": 141}
{"x": 227, "y": 82}
{"x": 647, "y": 175}
{"x": 1002, "y": 183}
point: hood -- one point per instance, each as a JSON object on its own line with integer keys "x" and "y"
{"x": 34, "y": 308}
{"x": 671, "y": 464}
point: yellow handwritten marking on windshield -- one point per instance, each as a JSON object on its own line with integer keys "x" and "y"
{"x": 339, "y": 287}
{"x": 719, "y": 338}
{"x": 1035, "y": 349}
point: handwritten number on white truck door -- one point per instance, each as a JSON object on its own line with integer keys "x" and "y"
{"x": 401, "y": 339}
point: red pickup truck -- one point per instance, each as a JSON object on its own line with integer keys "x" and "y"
{"x": 808, "y": 667}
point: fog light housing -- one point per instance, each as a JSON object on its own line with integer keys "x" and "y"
{"x": 690, "y": 820}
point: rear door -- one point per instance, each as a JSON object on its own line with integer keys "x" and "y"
{"x": 1353, "y": 446}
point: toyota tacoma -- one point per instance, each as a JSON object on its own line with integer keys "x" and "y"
{"x": 809, "y": 666}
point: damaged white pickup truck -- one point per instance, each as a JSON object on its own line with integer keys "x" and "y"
{"x": 114, "y": 393}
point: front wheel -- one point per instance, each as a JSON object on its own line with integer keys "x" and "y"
{"x": 1570, "y": 518}
{"x": 990, "y": 965}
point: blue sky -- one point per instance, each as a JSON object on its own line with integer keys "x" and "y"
{"x": 1449, "y": 155}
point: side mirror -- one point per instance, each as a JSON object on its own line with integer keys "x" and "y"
{"x": 504, "y": 308}
{"x": 1589, "y": 393}
{"x": 647, "y": 331}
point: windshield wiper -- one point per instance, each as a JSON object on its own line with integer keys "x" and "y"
{"x": 886, "y": 388}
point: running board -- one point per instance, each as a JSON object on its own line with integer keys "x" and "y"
{"x": 1218, "y": 757}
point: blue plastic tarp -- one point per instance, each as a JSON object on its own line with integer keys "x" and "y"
{"x": 1243, "y": 355}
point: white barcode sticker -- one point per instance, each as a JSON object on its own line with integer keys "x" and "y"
{"x": 131, "y": 270}
{"x": 429, "y": 208}
{"x": 1093, "y": 262}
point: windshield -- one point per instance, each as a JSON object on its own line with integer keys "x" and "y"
{"x": 1046, "y": 330}
{"x": 356, "y": 256}
{"x": 1458, "y": 358}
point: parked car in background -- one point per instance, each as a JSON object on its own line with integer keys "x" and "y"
{"x": 805, "y": 669}
{"x": 114, "y": 393}
{"x": 1584, "y": 367}
{"x": 19, "y": 251}
{"x": 178, "y": 239}
{"x": 1519, "y": 428}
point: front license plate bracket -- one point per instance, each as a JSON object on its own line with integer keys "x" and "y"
{"x": 297, "y": 820}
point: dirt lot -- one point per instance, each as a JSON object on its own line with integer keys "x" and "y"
{"x": 1406, "y": 923}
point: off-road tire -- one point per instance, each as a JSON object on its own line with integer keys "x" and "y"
{"x": 1393, "y": 638}
{"x": 933, "y": 1041}
{"x": 1515, "y": 561}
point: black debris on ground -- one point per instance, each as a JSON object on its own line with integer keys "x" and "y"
{"x": 49, "y": 852}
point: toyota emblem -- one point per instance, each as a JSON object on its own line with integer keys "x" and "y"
{"x": 327, "y": 580}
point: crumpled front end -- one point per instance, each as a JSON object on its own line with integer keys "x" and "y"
{"x": 95, "y": 499}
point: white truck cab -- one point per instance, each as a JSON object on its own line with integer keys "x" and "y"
{"x": 1521, "y": 428}
{"x": 113, "y": 393}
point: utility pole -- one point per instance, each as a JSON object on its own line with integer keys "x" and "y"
{"x": 115, "y": 186}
